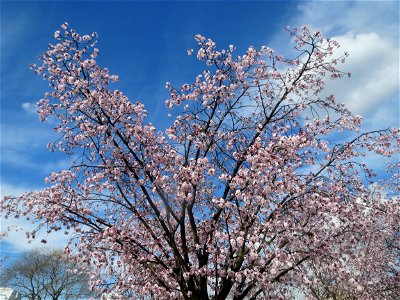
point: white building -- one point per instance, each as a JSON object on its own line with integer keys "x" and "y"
{"x": 9, "y": 294}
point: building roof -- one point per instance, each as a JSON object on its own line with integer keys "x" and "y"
{"x": 9, "y": 294}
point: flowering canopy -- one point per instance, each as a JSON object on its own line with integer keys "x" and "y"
{"x": 242, "y": 197}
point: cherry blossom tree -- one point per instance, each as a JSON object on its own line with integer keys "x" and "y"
{"x": 258, "y": 181}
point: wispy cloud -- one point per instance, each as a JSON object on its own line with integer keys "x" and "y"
{"x": 12, "y": 31}
{"x": 24, "y": 140}
{"x": 16, "y": 237}
{"x": 10, "y": 189}
{"x": 339, "y": 17}
{"x": 29, "y": 107}
{"x": 368, "y": 31}
{"x": 374, "y": 64}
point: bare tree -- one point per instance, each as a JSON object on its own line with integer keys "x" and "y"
{"x": 46, "y": 274}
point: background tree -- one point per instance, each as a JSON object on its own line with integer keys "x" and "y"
{"x": 258, "y": 175}
{"x": 372, "y": 251}
{"x": 47, "y": 274}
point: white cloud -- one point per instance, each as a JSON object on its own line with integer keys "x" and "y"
{"x": 9, "y": 189}
{"x": 23, "y": 144}
{"x": 29, "y": 107}
{"x": 338, "y": 17}
{"x": 369, "y": 32}
{"x": 385, "y": 115}
{"x": 12, "y": 31}
{"x": 374, "y": 64}
{"x": 16, "y": 236}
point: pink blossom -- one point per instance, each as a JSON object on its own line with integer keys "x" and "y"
{"x": 249, "y": 191}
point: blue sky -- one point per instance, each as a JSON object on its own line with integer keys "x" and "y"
{"x": 145, "y": 44}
